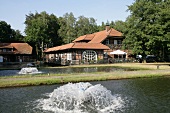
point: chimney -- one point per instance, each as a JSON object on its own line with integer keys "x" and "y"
{"x": 107, "y": 27}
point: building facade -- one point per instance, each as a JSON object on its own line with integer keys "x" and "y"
{"x": 90, "y": 48}
{"x": 15, "y": 52}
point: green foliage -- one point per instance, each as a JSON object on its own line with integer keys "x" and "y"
{"x": 17, "y": 36}
{"x": 85, "y": 26}
{"x": 67, "y": 28}
{"x": 42, "y": 28}
{"x": 119, "y": 25}
{"x": 7, "y": 34}
{"x": 71, "y": 27}
{"x": 147, "y": 28}
{"x": 5, "y": 31}
{"x": 42, "y": 31}
{"x": 102, "y": 26}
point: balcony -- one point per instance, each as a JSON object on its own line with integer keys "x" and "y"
{"x": 114, "y": 46}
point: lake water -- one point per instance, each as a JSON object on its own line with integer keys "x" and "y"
{"x": 68, "y": 70}
{"x": 144, "y": 95}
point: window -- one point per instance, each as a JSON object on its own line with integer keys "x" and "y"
{"x": 107, "y": 41}
{"x": 115, "y": 41}
{"x": 69, "y": 56}
{"x": 89, "y": 55}
{"x": 119, "y": 41}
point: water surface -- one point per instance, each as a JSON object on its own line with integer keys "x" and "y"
{"x": 67, "y": 70}
{"x": 144, "y": 95}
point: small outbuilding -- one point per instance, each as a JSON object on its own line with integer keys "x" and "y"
{"x": 15, "y": 52}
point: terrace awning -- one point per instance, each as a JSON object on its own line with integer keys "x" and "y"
{"x": 118, "y": 52}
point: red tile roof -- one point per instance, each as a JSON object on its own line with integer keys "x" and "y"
{"x": 95, "y": 41}
{"x": 90, "y": 46}
{"x": 57, "y": 48}
{"x": 98, "y": 37}
{"x": 113, "y": 32}
{"x": 78, "y": 46}
{"x": 84, "y": 37}
{"x": 80, "y": 38}
{"x": 19, "y": 48}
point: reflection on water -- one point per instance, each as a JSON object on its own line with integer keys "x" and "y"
{"x": 146, "y": 95}
{"x": 67, "y": 70}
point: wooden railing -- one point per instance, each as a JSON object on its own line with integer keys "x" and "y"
{"x": 114, "y": 46}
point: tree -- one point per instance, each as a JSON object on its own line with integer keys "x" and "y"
{"x": 17, "y": 36}
{"x": 71, "y": 27}
{"x": 41, "y": 30}
{"x": 85, "y": 26}
{"x": 67, "y": 27}
{"x": 7, "y": 34}
{"x": 145, "y": 27}
{"x": 120, "y": 26}
{"x": 52, "y": 31}
{"x": 102, "y": 26}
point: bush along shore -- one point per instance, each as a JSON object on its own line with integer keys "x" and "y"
{"x": 141, "y": 71}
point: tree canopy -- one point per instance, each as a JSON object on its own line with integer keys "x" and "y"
{"x": 67, "y": 27}
{"x": 42, "y": 28}
{"x": 7, "y": 34}
{"x": 85, "y": 26}
{"x": 148, "y": 27}
{"x": 71, "y": 27}
{"x": 42, "y": 31}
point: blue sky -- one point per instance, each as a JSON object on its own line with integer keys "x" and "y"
{"x": 14, "y": 11}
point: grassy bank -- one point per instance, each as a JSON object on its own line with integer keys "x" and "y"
{"x": 144, "y": 70}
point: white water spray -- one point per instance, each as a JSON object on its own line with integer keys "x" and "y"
{"x": 81, "y": 98}
{"x": 29, "y": 70}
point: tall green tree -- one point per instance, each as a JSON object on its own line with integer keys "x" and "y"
{"x": 17, "y": 36}
{"x": 7, "y": 34}
{"x": 67, "y": 27}
{"x": 85, "y": 26}
{"x": 146, "y": 30}
{"x": 52, "y": 31}
{"x": 102, "y": 26}
{"x": 42, "y": 31}
{"x": 71, "y": 27}
{"x": 120, "y": 26}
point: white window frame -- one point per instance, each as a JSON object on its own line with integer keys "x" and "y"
{"x": 115, "y": 41}
{"x": 89, "y": 55}
{"x": 69, "y": 56}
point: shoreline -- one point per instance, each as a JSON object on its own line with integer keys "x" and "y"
{"x": 144, "y": 71}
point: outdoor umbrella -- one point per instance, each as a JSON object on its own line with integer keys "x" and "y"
{"x": 118, "y": 52}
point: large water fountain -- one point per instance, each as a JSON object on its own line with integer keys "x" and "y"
{"x": 81, "y": 98}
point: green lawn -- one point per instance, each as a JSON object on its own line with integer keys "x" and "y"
{"x": 143, "y": 70}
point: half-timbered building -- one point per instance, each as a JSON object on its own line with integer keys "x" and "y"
{"x": 87, "y": 48}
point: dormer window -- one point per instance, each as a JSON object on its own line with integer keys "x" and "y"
{"x": 107, "y": 41}
{"x": 117, "y": 41}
